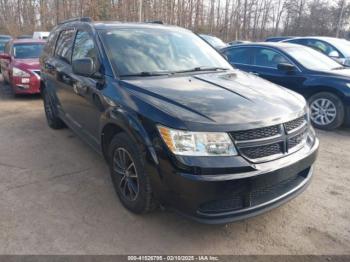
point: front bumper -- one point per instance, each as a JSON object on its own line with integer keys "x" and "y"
{"x": 30, "y": 87}
{"x": 222, "y": 198}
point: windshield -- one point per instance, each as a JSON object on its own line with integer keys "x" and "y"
{"x": 342, "y": 45}
{"x": 138, "y": 50}
{"x": 24, "y": 51}
{"x": 319, "y": 61}
{"x": 214, "y": 41}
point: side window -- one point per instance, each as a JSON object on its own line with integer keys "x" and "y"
{"x": 321, "y": 46}
{"x": 238, "y": 55}
{"x": 51, "y": 40}
{"x": 84, "y": 47}
{"x": 296, "y": 41}
{"x": 64, "y": 45}
{"x": 268, "y": 58}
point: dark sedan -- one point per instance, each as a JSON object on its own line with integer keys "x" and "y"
{"x": 324, "y": 82}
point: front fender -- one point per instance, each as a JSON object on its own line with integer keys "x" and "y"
{"x": 325, "y": 84}
{"x": 128, "y": 122}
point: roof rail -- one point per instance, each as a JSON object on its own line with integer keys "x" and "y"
{"x": 154, "y": 22}
{"x": 78, "y": 19}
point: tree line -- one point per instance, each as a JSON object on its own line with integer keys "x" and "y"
{"x": 227, "y": 19}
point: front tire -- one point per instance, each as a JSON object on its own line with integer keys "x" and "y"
{"x": 130, "y": 181}
{"x": 326, "y": 111}
{"x": 51, "y": 112}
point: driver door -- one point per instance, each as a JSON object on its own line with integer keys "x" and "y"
{"x": 265, "y": 62}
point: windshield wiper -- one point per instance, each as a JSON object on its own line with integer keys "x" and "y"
{"x": 160, "y": 73}
{"x": 201, "y": 68}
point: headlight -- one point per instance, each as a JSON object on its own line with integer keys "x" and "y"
{"x": 348, "y": 85}
{"x": 197, "y": 143}
{"x": 19, "y": 73}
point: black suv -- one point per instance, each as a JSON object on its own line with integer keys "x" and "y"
{"x": 177, "y": 125}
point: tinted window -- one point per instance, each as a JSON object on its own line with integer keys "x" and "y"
{"x": 134, "y": 50}
{"x": 297, "y": 41}
{"x": 320, "y": 46}
{"x": 341, "y": 44}
{"x": 214, "y": 41}
{"x": 239, "y": 55}
{"x": 64, "y": 45}
{"x": 84, "y": 47}
{"x": 268, "y": 58}
{"x": 25, "y": 51}
{"x": 318, "y": 62}
{"x": 50, "y": 45}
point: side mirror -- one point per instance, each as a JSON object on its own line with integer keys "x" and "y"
{"x": 84, "y": 67}
{"x": 286, "y": 67}
{"x": 5, "y": 56}
{"x": 334, "y": 54}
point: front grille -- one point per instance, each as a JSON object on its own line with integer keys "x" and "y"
{"x": 236, "y": 202}
{"x": 255, "y": 191}
{"x": 296, "y": 140}
{"x": 268, "y": 143}
{"x": 294, "y": 124}
{"x": 256, "y": 133}
{"x": 262, "y": 151}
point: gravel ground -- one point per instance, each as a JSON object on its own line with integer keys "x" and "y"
{"x": 56, "y": 197}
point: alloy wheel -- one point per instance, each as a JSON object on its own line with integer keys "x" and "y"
{"x": 323, "y": 111}
{"x": 124, "y": 166}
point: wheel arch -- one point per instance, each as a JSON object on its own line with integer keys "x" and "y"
{"x": 118, "y": 120}
{"x": 323, "y": 88}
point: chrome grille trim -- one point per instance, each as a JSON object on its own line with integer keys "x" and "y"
{"x": 257, "y": 134}
{"x": 291, "y": 137}
{"x": 296, "y": 124}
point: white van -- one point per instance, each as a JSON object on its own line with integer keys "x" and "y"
{"x": 41, "y": 35}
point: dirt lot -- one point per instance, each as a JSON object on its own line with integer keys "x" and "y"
{"x": 56, "y": 197}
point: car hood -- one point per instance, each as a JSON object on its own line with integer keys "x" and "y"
{"x": 29, "y": 64}
{"x": 225, "y": 98}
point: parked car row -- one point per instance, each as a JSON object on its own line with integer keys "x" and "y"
{"x": 178, "y": 124}
{"x": 324, "y": 82}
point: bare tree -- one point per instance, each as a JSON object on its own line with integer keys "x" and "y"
{"x": 229, "y": 19}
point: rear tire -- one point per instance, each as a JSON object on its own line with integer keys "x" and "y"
{"x": 130, "y": 181}
{"x": 327, "y": 111}
{"x": 51, "y": 112}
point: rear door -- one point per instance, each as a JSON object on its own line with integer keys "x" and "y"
{"x": 59, "y": 65}
{"x": 240, "y": 57}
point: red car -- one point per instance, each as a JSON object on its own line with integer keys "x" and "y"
{"x": 20, "y": 65}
